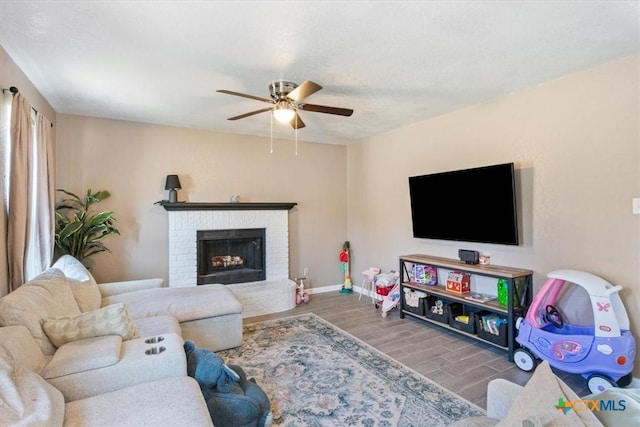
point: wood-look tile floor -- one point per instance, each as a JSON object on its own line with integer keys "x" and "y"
{"x": 459, "y": 363}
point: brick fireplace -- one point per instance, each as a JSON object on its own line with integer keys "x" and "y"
{"x": 186, "y": 219}
{"x": 258, "y": 296}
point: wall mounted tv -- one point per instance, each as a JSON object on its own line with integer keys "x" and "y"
{"x": 470, "y": 205}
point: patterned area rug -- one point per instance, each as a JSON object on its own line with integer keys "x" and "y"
{"x": 318, "y": 375}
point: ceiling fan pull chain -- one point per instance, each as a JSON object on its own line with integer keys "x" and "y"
{"x": 296, "y": 137}
{"x": 271, "y": 120}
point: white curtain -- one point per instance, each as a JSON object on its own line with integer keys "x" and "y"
{"x": 19, "y": 208}
{"x": 5, "y": 125}
{"x": 31, "y": 194}
{"x": 40, "y": 245}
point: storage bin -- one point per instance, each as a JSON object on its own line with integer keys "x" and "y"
{"x": 435, "y": 309}
{"x": 485, "y": 321}
{"x": 456, "y": 309}
{"x": 410, "y": 295}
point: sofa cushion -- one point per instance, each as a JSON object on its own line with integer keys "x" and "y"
{"x": 17, "y": 344}
{"x": 184, "y": 303}
{"x": 47, "y": 295}
{"x": 167, "y": 402}
{"x": 157, "y": 325}
{"x": 84, "y": 355}
{"x": 83, "y": 285}
{"x": 26, "y": 399}
{"x": 539, "y": 399}
{"x": 110, "y": 320}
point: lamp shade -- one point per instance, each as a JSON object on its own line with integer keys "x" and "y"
{"x": 283, "y": 112}
{"x": 172, "y": 182}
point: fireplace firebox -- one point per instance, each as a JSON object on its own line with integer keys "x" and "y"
{"x": 231, "y": 256}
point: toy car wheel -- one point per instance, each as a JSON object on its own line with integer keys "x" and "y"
{"x": 524, "y": 359}
{"x": 625, "y": 381}
{"x": 598, "y": 383}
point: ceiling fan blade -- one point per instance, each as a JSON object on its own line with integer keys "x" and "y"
{"x": 324, "y": 109}
{"x": 305, "y": 89}
{"x": 242, "y": 116}
{"x": 297, "y": 122}
{"x": 244, "y": 95}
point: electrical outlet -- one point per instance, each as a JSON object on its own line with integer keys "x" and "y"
{"x": 636, "y": 206}
{"x": 306, "y": 272}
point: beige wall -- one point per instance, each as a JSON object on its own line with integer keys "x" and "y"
{"x": 131, "y": 160}
{"x": 575, "y": 142}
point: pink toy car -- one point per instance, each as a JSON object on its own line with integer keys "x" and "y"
{"x": 577, "y": 322}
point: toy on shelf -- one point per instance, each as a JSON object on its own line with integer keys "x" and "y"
{"x": 347, "y": 287}
{"x": 438, "y": 308}
{"x": 577, "y": 322}
{"x": 301, "y": 295}
{"x": 424, "y": 274}
{"x": 458, "y": 282}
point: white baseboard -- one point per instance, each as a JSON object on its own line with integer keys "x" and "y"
{"x": 323, "y": 289}
{"x": 335, "y": 288}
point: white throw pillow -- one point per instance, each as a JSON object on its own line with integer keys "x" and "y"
{"x": 110, "y": 320}
{"x": 83, "y": 285}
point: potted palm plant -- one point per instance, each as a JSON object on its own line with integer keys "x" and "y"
{"x": 79, "y": 231}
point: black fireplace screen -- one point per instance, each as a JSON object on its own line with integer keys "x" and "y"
{"x": 231, "y": 256}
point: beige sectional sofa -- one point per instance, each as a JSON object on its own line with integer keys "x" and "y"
{"x": 92, "y": 344}
{"x": 210, "y": 315}
{"x": 27, "y": 399}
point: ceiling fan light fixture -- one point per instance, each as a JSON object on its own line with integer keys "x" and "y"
{"x": 283, "y": 112}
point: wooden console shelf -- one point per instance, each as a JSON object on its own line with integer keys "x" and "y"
{"x": 519, "y": 293}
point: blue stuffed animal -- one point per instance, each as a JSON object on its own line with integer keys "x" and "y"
{"x": 232, "y": 399}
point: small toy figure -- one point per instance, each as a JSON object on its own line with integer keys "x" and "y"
{"x": 438, "y": 308}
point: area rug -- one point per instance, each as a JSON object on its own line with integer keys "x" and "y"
{"x": 316, "y": 374}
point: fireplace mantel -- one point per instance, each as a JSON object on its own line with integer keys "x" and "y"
{"x": 205, "y": 206}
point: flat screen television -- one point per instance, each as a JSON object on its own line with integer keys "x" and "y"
{"x": 470, "y": 205}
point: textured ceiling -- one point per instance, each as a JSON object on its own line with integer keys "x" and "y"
{"x": 394, "y": 63}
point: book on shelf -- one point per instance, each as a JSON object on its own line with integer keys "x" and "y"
{"x": 480, "y": 297}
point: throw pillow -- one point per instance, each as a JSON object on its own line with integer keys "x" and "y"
{"x": 538, "y": 401}
{"x": 83, "y": 285}
{"x": 110, "y": 320}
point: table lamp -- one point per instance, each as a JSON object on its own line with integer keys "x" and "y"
{"x": 172, "y": 184}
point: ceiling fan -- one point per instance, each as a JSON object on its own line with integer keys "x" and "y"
{"x": 286, "y": 100}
